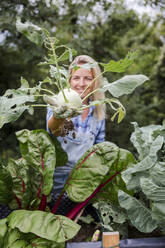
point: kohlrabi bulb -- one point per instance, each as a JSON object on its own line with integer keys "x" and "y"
{"x": 72, "y": 96}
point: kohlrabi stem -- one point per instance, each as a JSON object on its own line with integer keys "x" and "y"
{"x": 38, "y": 105}
{"x": 91, "y": 83}
{"x": 47, "y": 91}
{"x": 90, "y": 94}
{"x": 58, "y": 70}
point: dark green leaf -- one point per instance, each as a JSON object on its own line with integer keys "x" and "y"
{"x": 3, "y": 230}
{"x": 37, "y": 148}
{"x": 6, "y": 184}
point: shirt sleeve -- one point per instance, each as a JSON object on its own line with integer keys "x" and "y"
{"x": 101, "y": 133}
{"x": 48, "y": 116}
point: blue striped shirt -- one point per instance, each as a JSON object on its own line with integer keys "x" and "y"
{"x": 89, "y": 125}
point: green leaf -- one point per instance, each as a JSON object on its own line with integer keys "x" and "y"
{"x": 66, "y": 55}
{"x": 61, "y": 155}
{"x": 121, "y": 65}
{"x": 37, "y": 148}
{"x": 143, "y": 137}
{"x": 125, "y": 85}
{"x": 12, "y": 236}
{"x": 12, "y": 103}
{"x": 132, "y": 175}
{"x": 115, "y": 105}
{"x": 46, "y": 225}
{"x": 158, "y": 212}
{"x": 3, "y": 231}
{"x": 99, "y": 162}
{"x": 21, "y": 183}
{"x": 6, "y": 184}
{"x": 138, "y": 214}
{"x": 31, "y": 31}
{"x": 152, "y": 191}
{"x": 54, "y": 72}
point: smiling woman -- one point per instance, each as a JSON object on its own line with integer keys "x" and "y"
{"x": 89, "y": 125}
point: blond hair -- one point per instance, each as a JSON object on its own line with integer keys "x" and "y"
{"x": 99, "y": 111}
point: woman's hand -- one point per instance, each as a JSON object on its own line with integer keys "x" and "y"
{"x": 63, "y": 111}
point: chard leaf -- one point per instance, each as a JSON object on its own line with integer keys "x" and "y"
{"x": 125, "y": 85}
{"x": 6, "y": 184}
{"x": 121, "y": 65}
{"x": 37, "y": 148}
{"x": 12, "y": 236}
{"x": 100, "y": 162}
{"x": 44, "y": 243}
{"x": 152, "y": 191}
{"x": 138, "y": 214}
{"x": 3, "y": 231}
{"x": 124, "y": 160}
{"x": 21, "y": 183}
{"x": 46, "y": 225}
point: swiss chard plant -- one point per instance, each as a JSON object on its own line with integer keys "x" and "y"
{"x": 26, "y": 184}
{"x": 146, "y": 210}
{"x": 15, "y": 101}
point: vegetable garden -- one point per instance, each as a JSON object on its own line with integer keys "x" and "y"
{"x": 126, "y": 189}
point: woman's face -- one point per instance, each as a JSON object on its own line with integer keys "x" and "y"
{"x": 80, "y": 79}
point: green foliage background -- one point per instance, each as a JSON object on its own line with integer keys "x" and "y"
{"x": 100, "y": 28}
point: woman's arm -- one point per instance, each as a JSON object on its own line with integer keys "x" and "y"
{"x": 55, "y": 125}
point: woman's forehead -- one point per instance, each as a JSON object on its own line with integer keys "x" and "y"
{"x": 82, "y": 72}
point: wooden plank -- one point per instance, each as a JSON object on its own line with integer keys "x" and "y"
{"x": 110, "y": 239}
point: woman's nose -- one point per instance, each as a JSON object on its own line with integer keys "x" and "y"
{"x": 81, "y": 81}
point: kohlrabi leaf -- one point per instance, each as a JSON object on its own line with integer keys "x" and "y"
{"x": 115, "y": 105}
{"x": 37, "y": 148}
{"x": 67, "y": 55}
{"x": 3, "y": 231}
{"x": 125, "y": 85}
{"x": 32, "y": 32}
{"x": 143, "y": 137}
{"x": 12, "y": 103}
{"x": 98, "y": 164}
{"x": 158, "y": 212}
{"x": 132, "y": 175}
{"x": 139, "y": 215}
{"x": 157, "y": 173}
{"x": 152, "y": 191}
{"x": 46, "y": 225}
{"x": 6, "y": 194}
{"x": 21, "y": 183}
{"x": 54, "y": 72}
{"x": 121, "y": 65}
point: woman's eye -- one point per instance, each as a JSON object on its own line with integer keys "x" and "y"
{"x": 88, "y": 78}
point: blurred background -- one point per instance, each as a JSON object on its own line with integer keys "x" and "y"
{"x": 103, "y": 29}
